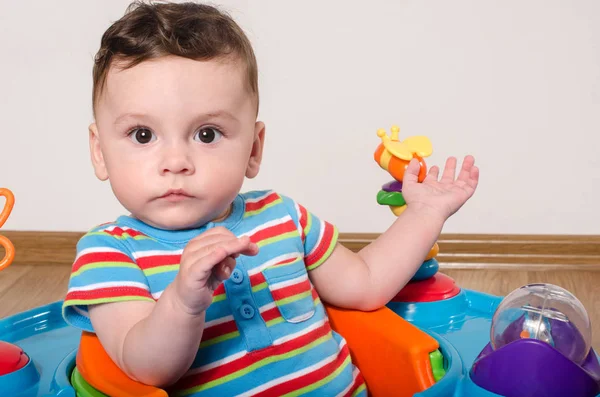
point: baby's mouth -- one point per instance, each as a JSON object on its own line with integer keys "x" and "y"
{"x": 175, "y": 195}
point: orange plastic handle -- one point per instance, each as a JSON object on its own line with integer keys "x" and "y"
{"x": 100, "y": 371}
{"x": 391, "y": 353}
{"x": 9, "y": 248}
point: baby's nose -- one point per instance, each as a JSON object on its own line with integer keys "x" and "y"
{"x": 177, "y": 162}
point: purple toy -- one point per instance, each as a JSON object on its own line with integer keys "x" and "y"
{"x": 540, "y": 346}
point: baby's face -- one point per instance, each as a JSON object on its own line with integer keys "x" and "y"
{"x": 176, "y": 137}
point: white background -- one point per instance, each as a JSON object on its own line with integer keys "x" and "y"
{"x": 515, "y": 83}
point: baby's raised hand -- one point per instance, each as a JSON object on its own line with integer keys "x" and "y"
{"x": 206, "y": 261}
{"x": 444, "y": 197}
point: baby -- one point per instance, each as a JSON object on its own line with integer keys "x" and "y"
{"x": 203, "y": 289}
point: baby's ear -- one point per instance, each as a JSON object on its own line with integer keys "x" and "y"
{"x": 96, "y": 153}
{"x": 257, "y": 150}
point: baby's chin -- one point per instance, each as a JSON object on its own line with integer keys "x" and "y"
{"x": 172, "y": 223}
{"x": 182, "y": 221}
{"x": 181, "y": 218}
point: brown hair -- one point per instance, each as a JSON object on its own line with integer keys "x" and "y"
{"x": 190, "y": 30}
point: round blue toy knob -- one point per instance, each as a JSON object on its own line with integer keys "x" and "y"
{"x": 427, "y": 270}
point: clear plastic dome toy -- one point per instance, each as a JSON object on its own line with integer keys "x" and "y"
{"x": 547, "y": 313}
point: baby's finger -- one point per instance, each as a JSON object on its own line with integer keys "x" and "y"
{"x": 236, "y": 245}
{"x": 215, "y": 232}
{"x": 449, "y": 170}
{"x": 231, "y": 246}
{"x": 433, "y": 174}
{"x": 466, "y": 168}
{"x": 202, "y": 267}
{"x": 207, "y": 242}
{"x": 222, "y": 271}
{"x": 474, "y": 177}
{"x": 251, "y": 248}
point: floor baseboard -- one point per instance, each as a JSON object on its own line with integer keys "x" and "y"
{"x": 506, "y": 251}
{"x": 457, "y": 251}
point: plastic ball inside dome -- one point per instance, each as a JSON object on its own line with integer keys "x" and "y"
{"x": 547, "y": 313}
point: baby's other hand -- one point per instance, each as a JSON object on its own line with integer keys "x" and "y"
{"x": 444, "y": 197}
{"x": 206, "y": 262}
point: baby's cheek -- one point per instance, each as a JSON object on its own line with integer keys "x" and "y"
{"x": 230, "y": 166}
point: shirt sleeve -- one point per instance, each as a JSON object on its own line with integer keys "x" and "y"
{"x": 104, "y": 271}
{"x": 319, "y": 237}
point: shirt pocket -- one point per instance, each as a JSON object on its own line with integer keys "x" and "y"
{"x": 291, "y": 290}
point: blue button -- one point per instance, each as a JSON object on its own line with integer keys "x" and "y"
{"x": 247, "y": 311}
{"x": 237, "y": 276}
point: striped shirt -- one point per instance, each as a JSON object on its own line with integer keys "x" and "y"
{"x": 266, "y": 331}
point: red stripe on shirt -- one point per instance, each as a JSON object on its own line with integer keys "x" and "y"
{"x": 253, "y": 206}
{"x": 284, "y": 262}
{"x": 218, "y": 330}
{"x": 107, "y": 293}
{"x": 219, "y": 290}
{"x": 324, "y": 245}
{"x": 249, "y": 359}
{"x": 95, "y": 257}
{"x": 273, "y": 231}
{"x": 358, "y": 382}
{"x": 117, "y": 231}
{"x": 314, "y": 293}
{"x": 303, "y": 220}
{"x": 257, "y": 279}
{"x": 294, "y": 289}
{"x": 230, "y": 326}
{"x": 149, "y": 262}
{"x": 271, "y": 314}
{"x": 307, "y": 379}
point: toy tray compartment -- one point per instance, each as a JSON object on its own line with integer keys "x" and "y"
{"x": 51, "y": 346}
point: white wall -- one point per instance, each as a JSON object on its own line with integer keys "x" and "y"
{"x": 516, "y": 83}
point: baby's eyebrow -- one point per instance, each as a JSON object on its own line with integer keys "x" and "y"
{"x": 221, "y": 114}
{"x": 138, "y": 116}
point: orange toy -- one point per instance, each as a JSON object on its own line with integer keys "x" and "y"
{"x": 391, "y": 353}
{"x": 97, "y": 368}
{"x": 433, "y": 252}
{"x": 9, "y": 248}
{"x": 394, "y": 155}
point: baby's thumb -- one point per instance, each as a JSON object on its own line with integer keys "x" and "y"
{"x": 411, "y": 173}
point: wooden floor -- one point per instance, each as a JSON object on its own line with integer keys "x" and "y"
{"x": 24, "y": 287}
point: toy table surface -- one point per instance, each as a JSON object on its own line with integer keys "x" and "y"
{"x": 460, "y": 324}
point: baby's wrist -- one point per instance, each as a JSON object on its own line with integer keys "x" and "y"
{"x": 178, "y": 305}
{"x": 428, "y": 214}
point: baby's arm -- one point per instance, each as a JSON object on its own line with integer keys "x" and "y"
{"x": 156, "y": 343}
{"x": 368, "y": 279}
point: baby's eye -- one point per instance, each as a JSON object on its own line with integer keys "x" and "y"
{"x": 142, "y": 135}
{"x": 208, "y": 135}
